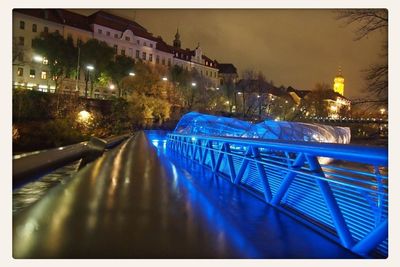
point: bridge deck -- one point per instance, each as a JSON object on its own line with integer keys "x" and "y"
{"x": 137, "y": 203}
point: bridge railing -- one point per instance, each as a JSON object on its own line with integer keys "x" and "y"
{"x": 339, "y": 190}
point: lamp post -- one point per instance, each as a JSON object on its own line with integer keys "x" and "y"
{"x": 89, "y": 68}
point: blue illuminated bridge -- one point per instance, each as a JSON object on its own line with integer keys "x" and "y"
{"x": 166, "y": 195}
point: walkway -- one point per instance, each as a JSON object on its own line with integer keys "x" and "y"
{"x": 136, "y": 202}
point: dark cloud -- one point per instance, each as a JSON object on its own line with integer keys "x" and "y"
{"x": 297, "y": 47}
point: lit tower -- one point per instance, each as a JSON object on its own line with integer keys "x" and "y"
{"x": 338, "y": 83}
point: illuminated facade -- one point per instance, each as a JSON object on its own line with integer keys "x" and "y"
{"x": 125, "y": 36}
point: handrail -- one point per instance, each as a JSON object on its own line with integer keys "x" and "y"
{"x": 346, "y": 202}
{"x": 41, "y": 162}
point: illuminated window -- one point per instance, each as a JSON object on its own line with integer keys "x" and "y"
{"x": 32, "y": 73}
{"x": 45, "y": 61}
{"x": 100, "y": 31}
{"x": 22, "y": 25}
{"x": 34, "y": 28}
{"x": 127, "y": 38}
{"x": 20, "y": 72}
{"x": 150, "y": 57}
{"x": 43, "y": 75}
{"x": 46, "y": 29}
{"x": 21, "y": 40}
{"x": 144, "y": 55}
{"x": 137, "y": 53}
{"x": 123, "y": 52}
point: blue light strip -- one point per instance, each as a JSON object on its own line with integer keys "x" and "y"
{"x": 287, "y": 174}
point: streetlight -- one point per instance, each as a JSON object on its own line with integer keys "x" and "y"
{"x": 165, "y": 79}
{"x": 217, "y": 88}
{"x": 89, "y": 68}
{"x": 132, "y": 74}
{"x": 37, "y": 58}
{"x": 194, "y": 84}
{"x": 382, "y": 110}
{"x": 112, "y": 86}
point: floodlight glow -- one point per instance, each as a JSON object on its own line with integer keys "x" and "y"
{"x": 89, "y": 67}
{"x": 38, "y": 58}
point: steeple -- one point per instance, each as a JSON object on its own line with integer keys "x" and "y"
{"x": 177, "y": 41}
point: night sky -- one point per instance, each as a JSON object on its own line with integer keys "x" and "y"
{"x": 291, "y": 47}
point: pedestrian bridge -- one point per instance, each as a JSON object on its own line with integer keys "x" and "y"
{"x": 159, "y": 195}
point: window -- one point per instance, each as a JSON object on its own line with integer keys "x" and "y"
{"x": 151, "y": 45}
{"x": 163, "y": 61}
{"x": 138, "y": 42}
{"x": 137, "y": 53}
{"x": 169, "y": 62}
{"x": 150, "y": 57}
{"x": 32, "y": 73}
{"x": 206, "y": 63}
{"x": 116, "y": 35}
{"x": 144, "y": 55}
{"x": 127, "y": 38}
{"x": 157, "y": 60}
{"x": 21, "y": 56}
{"x": 123, "y": 52}
{"x": 43, "y": 75}
{"x": 46, "y": 29}
{"x": 34, "y": 28}
{"x": 20, "y": 72}
{"x": 22, "y": 25}
{"x": 206, "y": 72}
{"x": 116, "y": 49}
{"x": 45, "y": 61}
{"x": 32, "y": 43}
{"x": 108, "y": 33}
{"x": 100, "y": 31}
{"x": 145, "y": 44}
{"x": 21, "y": 40}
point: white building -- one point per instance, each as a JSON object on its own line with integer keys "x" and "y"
{"x": 125, "y": 36}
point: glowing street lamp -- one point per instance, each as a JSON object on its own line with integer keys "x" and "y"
{"x": 382, "y": 110}
{"x": 37, "y": 58}
{"x": 165, "y": 79}
{"x": 112, "y": 86}
{"x": 217, "y": 88}
{"x": 89, "y": 68}
{"x": 132, "y": 74}
{"x": 194, "y": 84}
{"x": 239, "y": 93}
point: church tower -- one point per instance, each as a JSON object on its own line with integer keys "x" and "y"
{"x": 177, "y": 41}
{"x": 338, "y": 83}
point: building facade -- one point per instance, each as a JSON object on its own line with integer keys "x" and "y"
{"x": 30, "y": 71}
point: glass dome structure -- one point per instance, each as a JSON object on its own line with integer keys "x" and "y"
{"x": 201, "y": 124}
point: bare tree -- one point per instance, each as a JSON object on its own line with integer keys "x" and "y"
{"x": 368, "y": 21}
